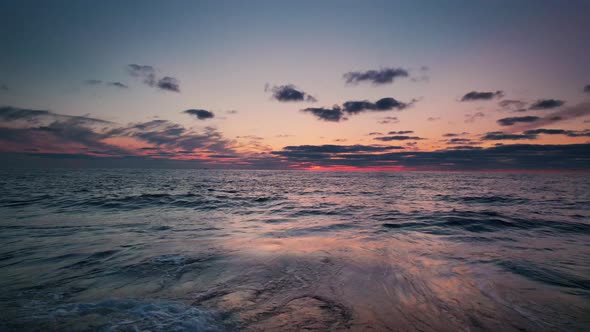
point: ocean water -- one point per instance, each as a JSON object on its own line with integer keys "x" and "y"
{"x": 208, "y": 250}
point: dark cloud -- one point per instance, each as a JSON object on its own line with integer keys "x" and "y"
{"x": 374, "y": 133}
{"x": 400, "y": 132}
{"x": 149, "y": 77}
{"x": 587, "y": 88}
{"x": 475, "y": 95}
{"x": 200, "y": 114}
{"x": 580, "y": 133}
{"x": 513, "y": 105}
{"x": 99, "y": 82}
{"x": 470, "y": 118}
{"x": 568, "y": 113}
{"x": 546, "y": 131}
{"x": 500, "y": 136}
{"x": 4, "y": 87}
{"x": 169, "y": 83}
{"x": 545, "y": 104}
{"x": 376, "y": 77}
{"x": 570, "y": 133}
{"x": 290, "y": 93}
{"x": 501, "y": 157}
{"x": 464, "y": 141}
{"x": 337, "y": 113}
{"x": 398, "y": 138}
{"x": 432, "y": 119}
{"x": 383, "y": 104}
{"x": 517, "y": 119}
{"x": 464, "y": 147}
{"x": 334, "y": 114}
{"x": 329, "y": 149}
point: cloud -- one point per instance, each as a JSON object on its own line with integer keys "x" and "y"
{"x": 432, "y": 119}
{"x": 145, "y": 72}
{"x": 464, "y": 141}
{"x": 330, "y": 149}
{"x": 376, "y": 77}
{"x": 455, "y": 134}
{"x": 118, "y": 85}
{"x": 475, "y": 95}
{"x": 545, "y": 104}
{"x": 502, "y": 157}
{"x": 290, "y": 93}
{"x": 383, "y": 104}
{"x": 42, "y": 117}
{"x": 333, "y": 114}
{"x": 4, "y": 87}
{"x": 95, "y": 82}
{"x": 200, "y": 114}
{"x": 470, "y": 118}
{"x": 587, "y": 88}
{"x": 388, "y": 120}
{"x": 169, "y": 83}
{"x": 149, "y": 77}
{"x": 517, "y": 119}
{"x": 398, "y": 138}
{"x": 400, "y": 132}
{"x": 55, "y": 133}
{"x": 374, "y": 133}
{"x": 568, "y": 113}
{"x": 513, "y": 105}
{"x": 500, "y": 136}
{"x": 570, "y": 133}
{"x": 337, "y": 113}
{"x": 25, "y": 129}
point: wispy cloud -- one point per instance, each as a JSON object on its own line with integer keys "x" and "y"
{"x": 398, "y": 138}
{"x": 388, "y": 120}
{"x": 513, "y": 105}
{"x": 376, "y": 77}
{"x": 148, "y": 76}
{"x": 470, "y": 118}
{"x": 100, "y": 82}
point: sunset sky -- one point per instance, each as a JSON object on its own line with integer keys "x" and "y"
{"x": 372, "y": 85}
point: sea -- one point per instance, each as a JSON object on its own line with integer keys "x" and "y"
{"x": 235, "y": 250}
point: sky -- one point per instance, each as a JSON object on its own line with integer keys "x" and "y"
{"x": 315, "y": 85}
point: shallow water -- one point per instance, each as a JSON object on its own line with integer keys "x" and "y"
{"x": 206, "y": 250}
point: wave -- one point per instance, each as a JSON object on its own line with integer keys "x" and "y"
{"x": 135, "y": 315}
{"x": 442, "y": 223}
